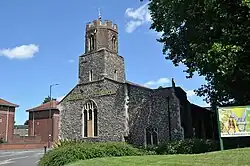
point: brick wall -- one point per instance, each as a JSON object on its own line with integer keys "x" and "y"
{"x": 43, "y": 127}
{"x": 4, "y": 125}
{"x": 25, "y": 139}
{"x": 22, "y": 146}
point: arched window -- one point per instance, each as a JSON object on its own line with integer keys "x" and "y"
{"x": 92, "y": 42}
{"x": 151, "y": 136}
{"x": 89, "y": 120}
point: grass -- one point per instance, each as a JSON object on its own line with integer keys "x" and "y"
{"x": 226, "y": 158}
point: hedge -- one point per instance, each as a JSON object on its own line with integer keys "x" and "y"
{"x": 187, "y": 146}
{"x": 74, "y": 151}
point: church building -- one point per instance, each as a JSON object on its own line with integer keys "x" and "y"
{"x": 104, "y": 106}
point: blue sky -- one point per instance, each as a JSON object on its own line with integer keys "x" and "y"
{"x": 41, "y": 41}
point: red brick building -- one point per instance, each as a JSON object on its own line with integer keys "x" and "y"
{"x": 7, "y": 119}
{"x": 44, "y": 121}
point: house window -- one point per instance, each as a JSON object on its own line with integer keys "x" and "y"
{"x": 91, "y": 75}
{"x": 115, "y": 75}
{"x": 151, "y": 136}
{"x": 90, "y": 120}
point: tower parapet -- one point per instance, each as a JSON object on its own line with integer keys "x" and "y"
{"x": 99, "y": 24}
{"x": 101, "y": 35}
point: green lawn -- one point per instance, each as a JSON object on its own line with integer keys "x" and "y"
{"x": 226, "y": 158}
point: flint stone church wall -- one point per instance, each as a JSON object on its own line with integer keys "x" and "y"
{"x": 109, "y": 99}
{"x": 124, "y": 110}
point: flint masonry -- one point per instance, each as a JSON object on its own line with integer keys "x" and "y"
{"x": 103, "y": 106}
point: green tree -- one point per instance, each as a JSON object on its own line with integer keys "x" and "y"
{"x": 47, "y": 99}
{"x": 211, "y": 38}
{"x": 26, "y": 122}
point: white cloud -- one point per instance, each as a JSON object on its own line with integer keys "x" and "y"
{"x": 190, "y": 93}
{"x": 138, "y": 17}
{"x": 20, "y": 52}
{"x": 60, "y": 98}
{"x": 71, "y": 61}
{"x": 157, "y": 83}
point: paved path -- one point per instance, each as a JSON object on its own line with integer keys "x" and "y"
{"x": 20, "y": 158}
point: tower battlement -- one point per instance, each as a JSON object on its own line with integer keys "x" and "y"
{"x": 99, "y": 24}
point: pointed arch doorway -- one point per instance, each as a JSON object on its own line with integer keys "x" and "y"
{"x": 89, "y": 120}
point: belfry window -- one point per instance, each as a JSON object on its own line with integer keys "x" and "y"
{"x": 89, "y": 120}
{"x": 151, "y": 136}
{"x": 92, "y": 42}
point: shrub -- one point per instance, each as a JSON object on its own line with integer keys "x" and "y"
{"x": 65, "y": 142}
{"x": 187, "y": 146}
{"x": 1, "y": 140}
{"x": 74, "y": 151}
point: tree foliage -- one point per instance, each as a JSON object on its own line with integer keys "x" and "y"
{"x": 47, "y": 99}
{"x": 211, "y": 38}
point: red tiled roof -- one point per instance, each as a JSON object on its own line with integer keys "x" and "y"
{"x": 6, "y": 103}
{"x": 49, "y": 105}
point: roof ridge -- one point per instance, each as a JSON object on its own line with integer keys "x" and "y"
{"x": 45, "y": 106}
{"x": 7, "y": 103}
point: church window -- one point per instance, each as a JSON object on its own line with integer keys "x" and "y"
{"x": 91, "y": 75}
{"x": 95, "y": 122}
{"x": 85, "y": 119}
{"x": 115, "y": 75}
{"x": 90, "y": 119}
{"x": 151, "y": 136}
{"x": 90, "y": 114}
{"x": 92, "y": 42}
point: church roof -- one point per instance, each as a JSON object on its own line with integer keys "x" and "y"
{"x": 6, "y": 103}
{"x": 135, "y": 84}
{"x": 46, "y": 106}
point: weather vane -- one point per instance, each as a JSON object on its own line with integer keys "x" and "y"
{"x": 99, "y": 14}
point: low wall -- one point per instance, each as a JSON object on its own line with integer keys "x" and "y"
{"x": 22, "y": 146}
{"x": 24, "y": 139}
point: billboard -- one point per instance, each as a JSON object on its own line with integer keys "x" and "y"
{"x": 234, "y": 121}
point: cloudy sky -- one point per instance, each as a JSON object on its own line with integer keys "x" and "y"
{"x": 41, "y": 41}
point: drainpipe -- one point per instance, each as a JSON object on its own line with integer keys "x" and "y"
{"x": 7, "y": 125}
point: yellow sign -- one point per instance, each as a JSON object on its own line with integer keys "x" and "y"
{"x": 234, "y": 121}
{"x": 79, "y": 96}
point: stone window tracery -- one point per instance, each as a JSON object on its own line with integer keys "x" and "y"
{"x": 89, "y": 120}
{"x": 151, "y": 136}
